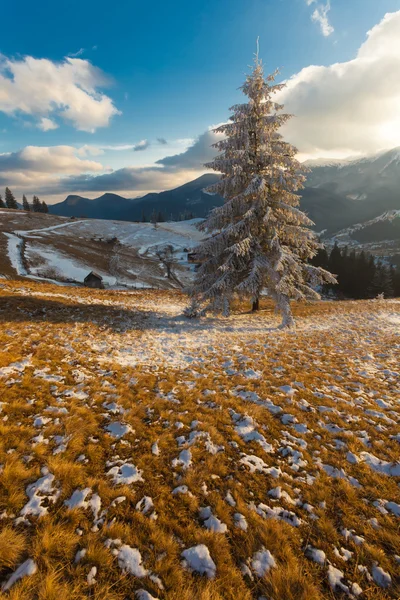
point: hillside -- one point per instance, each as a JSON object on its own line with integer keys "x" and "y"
{"x": 370, "y": 185}
{"x": 124, "y": 254}
{"x": 148, "y": 456}
{"x": 379, "y": 236}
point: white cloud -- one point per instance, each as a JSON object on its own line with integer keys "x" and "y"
{"x": 351, "y": 107}
{"x": 320, "y": 16}
{"x": 78, "y": 53}
{"x": 89, "y": 150}
{"x": 35, "y": 167}
{"x": 46, "y": 124}
{"x": 142, "y": 145}
{"x": 48, "y": 159}
{"x": 43, "y": 89}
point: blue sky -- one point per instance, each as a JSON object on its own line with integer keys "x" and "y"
{"x": 169, "y": 70}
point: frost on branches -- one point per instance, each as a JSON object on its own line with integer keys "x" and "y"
{"x": 259, "y": 239}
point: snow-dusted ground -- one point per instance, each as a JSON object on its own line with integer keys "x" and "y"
{"x": 70, "y": 250}
{"x": 60, "y": 265}
{"x": 202, "y": 452}
{"x": 14, "y": 253}
{"x": 143, "y": 237}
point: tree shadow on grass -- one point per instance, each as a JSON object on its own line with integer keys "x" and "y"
{"x": 30, "y": 309}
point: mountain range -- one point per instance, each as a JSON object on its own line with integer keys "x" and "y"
{"x": 338, "y": 194}
{"x": 189, "y": 198}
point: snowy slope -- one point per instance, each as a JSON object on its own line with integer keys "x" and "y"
{"x": 122, "y": 253}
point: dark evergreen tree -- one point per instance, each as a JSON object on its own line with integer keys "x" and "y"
{"x": 25, "y": 203}
{"x": 321, "y": 259}
{"x": 2, "y": 205}
{"x": 395, "y": 273}
{"x": 361, "y": 274}
{"x": 10, "y": 199}
{"x": 382, "y": 282}
{"x": 36, "y": 204}
{"x": 45, "y": 208}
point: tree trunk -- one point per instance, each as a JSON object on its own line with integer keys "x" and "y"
{"x": 256, "y": 305}
{"x": 286, "y": 312}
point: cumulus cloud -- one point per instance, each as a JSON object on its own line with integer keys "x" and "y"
{"x": 198, "y": 153}
{"x": 34, "y": 168}
{"x": 46, "y": 124}
{"x": 162, "y": 141}
{"x": 43, "y": 89}
{"x": 142, "y": 145}
{"x": 352, "y": 107}
{"x": 320, "y": 16}
{"x": 54, "y": 159}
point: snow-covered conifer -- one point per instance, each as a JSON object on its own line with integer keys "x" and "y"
{"x": 259, "y": 239}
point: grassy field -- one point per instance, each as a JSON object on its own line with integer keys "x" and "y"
{"x": 144, "y": 455}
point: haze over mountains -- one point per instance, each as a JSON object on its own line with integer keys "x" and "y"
{"x": 337, "y": 195}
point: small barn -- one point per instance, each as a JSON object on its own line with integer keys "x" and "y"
{"x": 93, "y": 280}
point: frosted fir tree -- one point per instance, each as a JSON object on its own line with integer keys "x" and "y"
{"x": 259, "y": 239}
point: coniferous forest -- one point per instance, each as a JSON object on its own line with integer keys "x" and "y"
{"x": 359, "y": 274}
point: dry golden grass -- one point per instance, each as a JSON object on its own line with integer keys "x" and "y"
{"x": 86, "y": 350}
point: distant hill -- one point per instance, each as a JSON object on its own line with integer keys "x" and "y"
{"x": 369, "y": 186}
{"x": 337, "y": 195}
{"x": 383, "y": 228}
{"x": 173, "y": 204}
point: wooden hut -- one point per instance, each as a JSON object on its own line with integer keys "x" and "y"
{"x": 94, "y": 280}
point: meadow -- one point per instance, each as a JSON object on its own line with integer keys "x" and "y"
{"x": 144, "y": 455}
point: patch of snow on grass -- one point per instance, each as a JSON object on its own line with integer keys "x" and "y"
{"x": 262, "y": 562}
{"x": 118, "y": 429}
{"x": 40, "y": 492}
{"x": 380, "y": 466}
{"x": 316, "y": 555}
{"x": 198, "y": 559}
{"x": 130, "y": 561}
{"x": 184, "y": 459}
{"x": 29, "y": 567}
{"x": 126, "y": 473}
{"x": 381, "y": 578}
